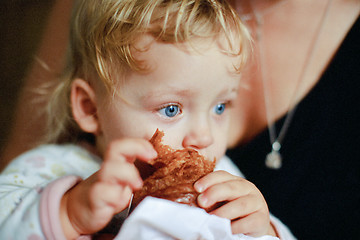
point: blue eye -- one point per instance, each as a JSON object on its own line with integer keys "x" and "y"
{"x": 220, "y": 108}
{"x": 170, "y": 111}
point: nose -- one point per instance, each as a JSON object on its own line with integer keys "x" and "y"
{"x": 198, "y": 137}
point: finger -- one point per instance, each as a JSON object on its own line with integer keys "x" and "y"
{"x": 121, "y": 172}
{"x": 213, "y": 178}
{"x": 118, "y": 164}
{"x": 239, "y": 208}
{"x": 114, "y": 196}
{"x": 129, "y": 149}
{"x": 254, "y": 225}
{"x": 224, "y": 191}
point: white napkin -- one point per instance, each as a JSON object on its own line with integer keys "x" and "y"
{"x": 161, "y": 219}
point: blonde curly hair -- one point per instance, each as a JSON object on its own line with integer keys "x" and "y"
{"x": 103, "y": 32}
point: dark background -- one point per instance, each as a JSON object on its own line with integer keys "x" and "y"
{"x": 21, "y": 26}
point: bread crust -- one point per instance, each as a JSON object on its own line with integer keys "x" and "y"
{"x": 172, "y": 174}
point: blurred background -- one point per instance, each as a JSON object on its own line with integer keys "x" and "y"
{"x": 21, "y": 26}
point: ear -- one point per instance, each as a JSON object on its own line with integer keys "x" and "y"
{"x": 84, "y": 108}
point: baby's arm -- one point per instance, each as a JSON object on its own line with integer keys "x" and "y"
{"x": 32, "y": 186}
{"x": 28, "y": 184}
{"x": 91, "y": 204}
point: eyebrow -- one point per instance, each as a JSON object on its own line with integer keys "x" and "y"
{"x": 229, "y": 91}
{"x": 174, "y": 92}
{"x": 183, "y": 93}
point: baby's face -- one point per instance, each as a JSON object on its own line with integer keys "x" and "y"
{"x": 187, "y": 95}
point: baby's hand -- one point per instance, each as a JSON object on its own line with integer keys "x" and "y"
{"x": 91, "y": 204}
{"x": 245, "y": 206}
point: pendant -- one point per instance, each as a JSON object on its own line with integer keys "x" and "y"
{"x": 273, "y": 160}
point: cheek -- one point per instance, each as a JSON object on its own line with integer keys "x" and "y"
{"x": 173, "y": 135}
{"x": 116, "y": 124}
{"x": 220, "y": 139}
{"x": 219, "y": 147}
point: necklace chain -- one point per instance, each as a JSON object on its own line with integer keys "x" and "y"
{"x": 273, "y": 159}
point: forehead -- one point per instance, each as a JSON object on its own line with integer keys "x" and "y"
{"x": 182, "y": 68}
{"x": 147, "y": 52}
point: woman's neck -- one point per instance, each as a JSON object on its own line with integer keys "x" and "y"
{"x": 287, "y": 30}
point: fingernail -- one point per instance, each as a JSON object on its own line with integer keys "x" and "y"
{"x": 202, "y": 200}
{"x": 152, "y": 153}
{"x": 138, "y": 184}
{"x": 198, "y": 187}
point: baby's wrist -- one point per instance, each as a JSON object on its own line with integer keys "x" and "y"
{"x": 67, "y": 226}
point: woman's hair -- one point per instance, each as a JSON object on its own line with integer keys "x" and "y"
{"x": 103, "y": 34}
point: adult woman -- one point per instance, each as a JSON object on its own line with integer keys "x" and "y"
{"x": 306, "y": 80}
